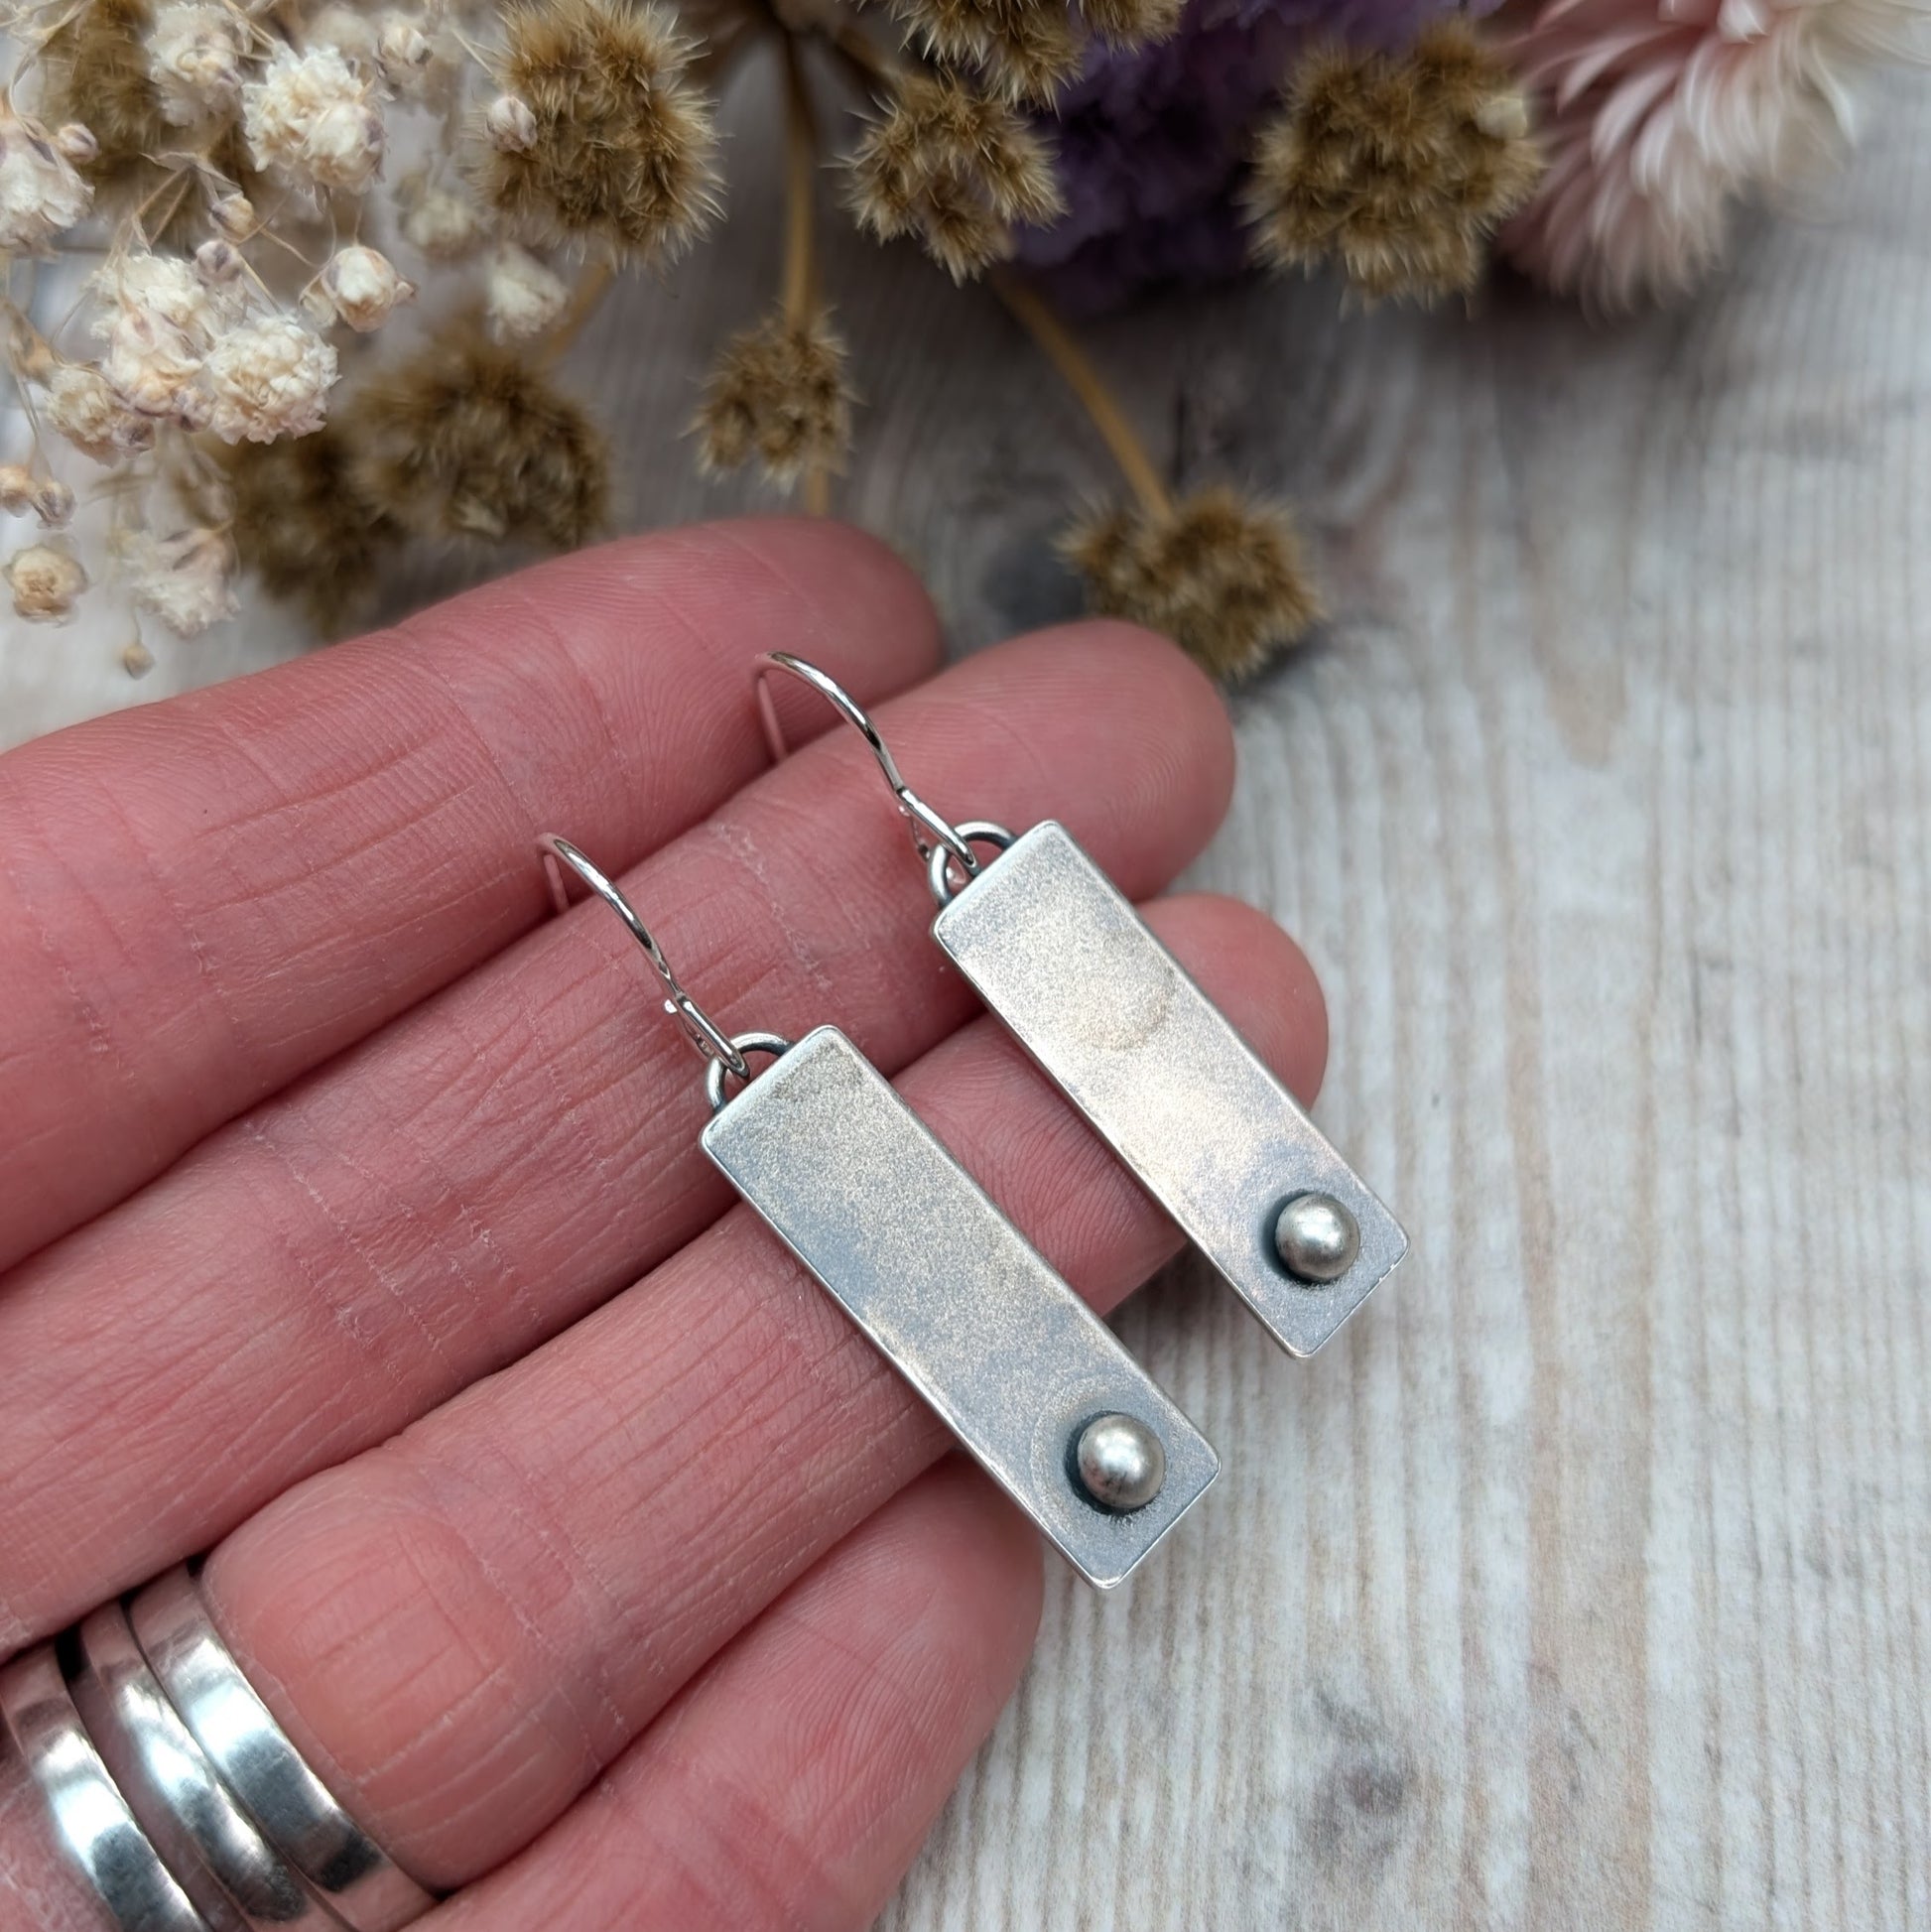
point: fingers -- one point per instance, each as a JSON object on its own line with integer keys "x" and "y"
{"x": 201, "y": 899}
{"x": 791, "y": 1784}
{"x": 521, "y": 1146}
{"x": 466, "y": 1625}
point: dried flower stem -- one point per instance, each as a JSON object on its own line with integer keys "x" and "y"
{"x": 1070, "y": 361}
{"x": 592, "y": 286}
{"x": 800, "y": 292}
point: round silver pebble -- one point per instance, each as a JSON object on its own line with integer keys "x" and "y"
{"x": 1119, "y": 1462}
{"x": 1315, "y": 1238}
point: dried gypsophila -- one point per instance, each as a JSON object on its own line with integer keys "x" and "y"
{"x": 47, "y": 581}
{"x": 313, "y": 118}
{"x": 41, "y": 195}
{"x": 193, "y": 55}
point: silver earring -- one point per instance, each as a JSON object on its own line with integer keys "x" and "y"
{"x": 1028, "y": 1378}
{"x": 1058, "y": 953}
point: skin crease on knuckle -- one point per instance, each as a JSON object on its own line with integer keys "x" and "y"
{"x": 487, "y": 1167}
{"x": 598, "y": 1519}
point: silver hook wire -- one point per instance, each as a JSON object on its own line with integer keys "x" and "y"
{"x": 697, "y": 1027}
{"x": 929, "y": 827}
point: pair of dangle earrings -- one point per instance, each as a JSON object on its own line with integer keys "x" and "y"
{"x": 1033, "y": 1385}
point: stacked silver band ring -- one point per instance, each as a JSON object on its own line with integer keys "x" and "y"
{"x": 184, "y": 1804}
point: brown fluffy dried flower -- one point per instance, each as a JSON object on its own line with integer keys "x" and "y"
{"x": 1398, "y": 166}
{"x": 623, "y": 152}
{"x": 1222, "y": 576}
{"x": 1132, "y": 22}
{"x": 954, "y": 167}
{"x": 302, "y": 524}
{"x": 469, "y": 439}
{"x": 1026, "y": 49}
{"x": 777, "y": 393}
{"x": 98, "y": 74}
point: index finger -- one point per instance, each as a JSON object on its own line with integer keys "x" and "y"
{"x": 202, "y": 899}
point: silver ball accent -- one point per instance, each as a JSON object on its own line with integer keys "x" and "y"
{"x": 1315, "y": 1238}
{"x": 1119, "y": 1462}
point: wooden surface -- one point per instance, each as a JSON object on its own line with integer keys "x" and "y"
{"x": 1585, "y": 1580}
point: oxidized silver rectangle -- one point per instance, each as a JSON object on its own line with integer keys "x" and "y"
{"x": 1057, "y": 952}
{"x": 957, "y": 1298}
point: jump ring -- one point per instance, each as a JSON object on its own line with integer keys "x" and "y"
{"x": 742, "y": 1044}
{"x": 977, "y": 831}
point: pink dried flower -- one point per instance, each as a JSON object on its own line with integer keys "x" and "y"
{"x": 1660, "y": 114}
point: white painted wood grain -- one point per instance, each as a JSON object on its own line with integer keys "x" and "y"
{"x": 1585, "y": 1580}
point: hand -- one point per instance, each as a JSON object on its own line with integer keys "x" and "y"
{"x": 356, "y": 1224}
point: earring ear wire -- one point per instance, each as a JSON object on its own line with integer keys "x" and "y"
{"x": 928, "y": 827}
{"x": 697, "y": 1026}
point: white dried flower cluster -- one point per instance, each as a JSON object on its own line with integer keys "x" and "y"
{"x": 314, "y": 117}
{"x": 45, "y": 580}
{"x": 268, "y": 378}
{"x": 41, "y": 196}
{"x": 363, "y": 288}
{"x": 195, "y": 60}
{"x": 235, "y": 248}
{"x": 186, "y": 579}
{"x": 521, "y": 297}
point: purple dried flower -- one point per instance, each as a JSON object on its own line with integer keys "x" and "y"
{"x": 1152, "y": 143}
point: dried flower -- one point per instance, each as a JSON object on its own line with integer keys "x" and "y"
{"x": 1660, "y": 118}
{"x": 1132, "y": 22}
{"x": 151, "y": 365}
{"x": 362, "y": 287}
{"x": 76, "y": 144}
{"x": 471, "y": 440}
{"x": 186, "y": 580}
{"x": 302, "y": 524}
{"x": 52, "y": 503}
{"x": 954, "y": 167}
{"x": 509, "y": 124}
{"x": 403, "y": 51}
{"x": 165, "y": 288}
{"x": 314, "y": 116}
{"x": 443, "y": 223}
{"x": 45, "y": 580}
{"x": 16, "y": 489}
{"x": 268, "y": 378}
{"x": 1401, "y": 167}
{"x": 98, "y": 74}
{"x": 623, "y": 144}
{"x": 232, "y": 215}
{"x": 1222, "y": 576}
{"x": 217, "y": 262}
{"x": 81, "y": 405}
{"x": 778, "y": 393}
{"x": 1027, "y": 48}
{"x": 521, "y": 297}
{"x": 39, "y": 194}
{"x": 195, "y": 60}
{"x": 344, "y": 28}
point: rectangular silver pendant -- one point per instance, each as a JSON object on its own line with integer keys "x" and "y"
{"x": 958, "y": 1300}
{"x": 1059, "y": 955}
